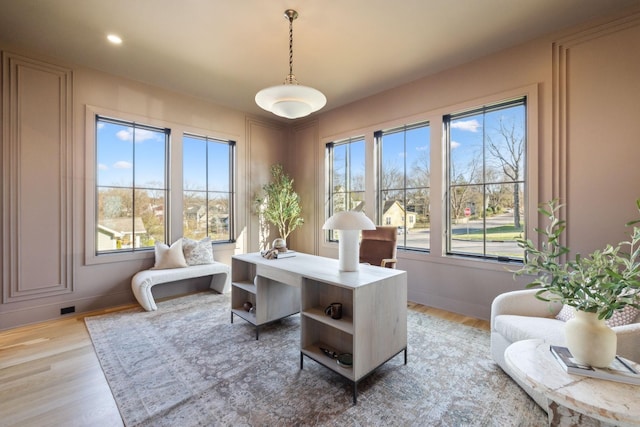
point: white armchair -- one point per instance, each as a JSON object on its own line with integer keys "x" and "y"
{"x": 519, "y": 315}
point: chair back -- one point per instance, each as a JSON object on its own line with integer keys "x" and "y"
{"x": 379, "y": 246}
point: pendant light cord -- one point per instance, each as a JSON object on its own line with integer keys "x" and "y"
{"x": 291, "y": 46}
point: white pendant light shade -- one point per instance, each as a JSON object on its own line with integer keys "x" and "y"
{"x": 290, "y": 100}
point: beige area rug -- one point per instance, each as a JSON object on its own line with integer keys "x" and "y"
{"x": 187, "y": 365}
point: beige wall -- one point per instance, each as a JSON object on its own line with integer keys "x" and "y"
{"x": 584, "y": 141}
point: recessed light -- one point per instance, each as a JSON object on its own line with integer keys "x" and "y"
{"x": 114, "y": 39}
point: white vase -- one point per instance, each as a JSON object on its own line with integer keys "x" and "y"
{"x": 590, "y": 340}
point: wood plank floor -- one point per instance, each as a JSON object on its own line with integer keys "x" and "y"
{"x": 50, "y": 375}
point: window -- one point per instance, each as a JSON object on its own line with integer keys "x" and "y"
{"x": 486, "y": 150}
{"x": 131, "y": 185}
{"x": 208, "y": 192}
{"x": 346, "y": 162}
{"x": 404, "y": 180}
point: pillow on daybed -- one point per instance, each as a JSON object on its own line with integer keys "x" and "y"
{"x": 169, "y": 256}
{"x": 197, "y": 252}
{"x": 620, "y": 317}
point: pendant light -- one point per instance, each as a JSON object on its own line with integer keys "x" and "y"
{"x": 290, "y": 99}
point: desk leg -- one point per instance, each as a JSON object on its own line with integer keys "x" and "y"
{"x": 355, "y": 393}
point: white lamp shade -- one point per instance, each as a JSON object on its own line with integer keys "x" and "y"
{"x": 349, "y": 220}
{"x": 291, "y": 101}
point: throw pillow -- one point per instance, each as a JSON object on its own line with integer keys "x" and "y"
{"x": 566, "y": 313}
{"x": 622, "y": 317}
{"x": 197, "y": 252}
{"x": 169, "y": 256}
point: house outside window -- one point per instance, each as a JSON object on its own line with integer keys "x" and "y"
{"x": 404, "y": 183}
{"x": 208, "y": 188}
{"x": 131, "y": 185}
{"x": 486, "y": 151}
{"x": 346, "y": 176}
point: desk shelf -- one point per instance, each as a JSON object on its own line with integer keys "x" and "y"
{"x": 272, "y": 299}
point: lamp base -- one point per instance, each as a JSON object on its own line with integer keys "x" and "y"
{"x": 349, "y": 250}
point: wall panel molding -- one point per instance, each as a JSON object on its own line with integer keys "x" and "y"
{"x": 37, "y": 178}
{"x": 564, "y": 89}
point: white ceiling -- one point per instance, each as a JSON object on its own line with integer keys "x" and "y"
{"x": 227, "y": 50}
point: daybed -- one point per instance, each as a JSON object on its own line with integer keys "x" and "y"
{"x": 143, "y": 281}
{"x": 518, "y": 315}
{"x": 184, "y": 259}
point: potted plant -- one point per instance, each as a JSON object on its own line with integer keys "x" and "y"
{"x": 280, "y": 204}
{"x": 596, "y": 285}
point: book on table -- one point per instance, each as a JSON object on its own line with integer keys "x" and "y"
{"x": 287, "y": 254}
{"x": 619, "y": 370}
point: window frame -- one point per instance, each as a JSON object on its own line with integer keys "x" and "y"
{"x": 530, "y": 152}
{"x": 231, "y": 191}
{"x": 134, "y": 125}
{"x": 330, "y": 235}
{"x": 380, "y": 218}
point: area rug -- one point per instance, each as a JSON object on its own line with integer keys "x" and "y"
{"x": 188, "y": 365}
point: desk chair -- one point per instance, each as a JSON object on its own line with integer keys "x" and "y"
{"x": 378, "y": 247}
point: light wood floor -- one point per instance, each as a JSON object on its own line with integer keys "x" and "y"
{"x": 50, "y": 375}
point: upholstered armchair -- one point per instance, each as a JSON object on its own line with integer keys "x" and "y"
{"x": 379, "y": 246}
{"x": 518, "y": 315}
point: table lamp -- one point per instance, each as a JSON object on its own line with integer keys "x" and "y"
{"x": 349, "y": 223}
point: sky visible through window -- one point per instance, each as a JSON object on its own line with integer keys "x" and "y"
{"x": 115, "y": 155}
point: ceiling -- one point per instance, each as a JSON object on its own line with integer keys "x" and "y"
{"x": 227, "y": 50}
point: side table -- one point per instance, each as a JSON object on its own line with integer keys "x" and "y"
{"x": 573, "y": 399}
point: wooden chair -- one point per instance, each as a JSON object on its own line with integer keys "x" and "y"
{"x": 378, "y": 247}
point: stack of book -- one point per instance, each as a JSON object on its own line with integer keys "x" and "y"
{"x": 620, "y": 369}
{"x": 287, "y": 254}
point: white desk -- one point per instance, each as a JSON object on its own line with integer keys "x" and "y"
{"x": 373, "y": 327}
{"x": 573, "y": 399}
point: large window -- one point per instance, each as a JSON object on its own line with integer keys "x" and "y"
{"x": 131, "y": 190}
{"x": 346, "y": 163}
{"x": 208, "y": 188}
{"x": 404, "y": 180}
{"x": 486, "y": 150}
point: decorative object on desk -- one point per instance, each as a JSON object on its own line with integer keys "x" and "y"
{"x": 619, "y": 370}
{"x": 599, "y": 284}
{"x": 247, "y": 306}
{"x": 269, "y": 253}
{"x": 334, "y": 310}
{"x": 280, "y": 244}
{"x": 349, "y": 223}
{"x": 280, "y": 204}
{"x": 275, "y": 254}
{"x": 343, "y": 359}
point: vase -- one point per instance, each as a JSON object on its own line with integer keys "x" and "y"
{"x": 590, "y": 340}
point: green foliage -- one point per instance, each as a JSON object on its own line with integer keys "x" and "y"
{"x": 280, "y": 204}
{"x": 602, "y": 282}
